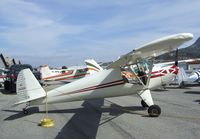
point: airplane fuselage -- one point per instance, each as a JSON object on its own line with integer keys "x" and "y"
{"x": 104, "y": 84}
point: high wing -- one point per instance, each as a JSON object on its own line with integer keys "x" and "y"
{"x": 152, "y": 49}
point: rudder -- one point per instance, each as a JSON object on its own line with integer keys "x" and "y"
{"x": 93, "y": 66}
{"x": 45, "y": 71}
{"x": 28, "y": 88}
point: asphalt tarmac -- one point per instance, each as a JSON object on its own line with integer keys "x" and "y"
{"x": 110, "y": 118}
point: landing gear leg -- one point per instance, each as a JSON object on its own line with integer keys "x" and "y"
{"x": 144, "y": 104}
{"x": 182, "y": 84}
{"x": 153, "y": 110}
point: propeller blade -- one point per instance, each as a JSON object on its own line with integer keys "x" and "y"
{"x": 176, "y": 58}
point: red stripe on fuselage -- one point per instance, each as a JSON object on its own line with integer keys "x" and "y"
{"x": 59, "y": 75}
{"x": 3, "y": 76}
{"x": 158, "y": 75}
{"x": 71, "y": 77}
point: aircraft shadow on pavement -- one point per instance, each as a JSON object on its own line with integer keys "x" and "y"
{"x": 19, "y": 114}
{"x": 176, "y": 87}
{"x": 192, "y": 92}
{"x": 160, "y": 89}
{"x": 85, "y": 122}
{"x": 5, "y": 92}
{"x": 113, "y": 110}
{"x": 198, "y": 101}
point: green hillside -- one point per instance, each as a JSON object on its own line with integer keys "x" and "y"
{"x": 189, "y": 52}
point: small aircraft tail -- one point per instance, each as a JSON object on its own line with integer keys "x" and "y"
{"x": 93, "y": 66}
{"x": 28, "y": 88}
{"x": 45, "y": 71}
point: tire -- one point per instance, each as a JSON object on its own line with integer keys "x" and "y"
{"x": 144, "y": 104}
{"x": 6, "y": 85}
{"x": 182, "y": 84}
{"x": 154, "y": 111}
{"x": 25, "y": 111}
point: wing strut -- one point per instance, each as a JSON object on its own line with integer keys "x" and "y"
{"x": 150, "y": 71}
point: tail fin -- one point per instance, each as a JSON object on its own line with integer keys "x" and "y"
{"x": 45, "y": 71}
{"x": 28, "y": 88}
{"x": 93, "y": 66}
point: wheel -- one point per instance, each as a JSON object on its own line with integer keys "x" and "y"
{"x": 164, "y": 86}
{"x": 182, "y": 84}
{"x": 154, "y": 111}
{"x": 144, "y": 104}
{"x": 25, "y": 111}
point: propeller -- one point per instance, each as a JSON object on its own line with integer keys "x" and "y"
{"x": 176, "y": 57}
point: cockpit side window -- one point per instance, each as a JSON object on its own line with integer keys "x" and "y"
{"x": 129, "y": 76}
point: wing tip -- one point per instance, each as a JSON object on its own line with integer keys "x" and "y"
{"x": 187, "y": 36}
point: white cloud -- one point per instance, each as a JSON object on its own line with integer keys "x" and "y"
{"x": 28, "y": 30}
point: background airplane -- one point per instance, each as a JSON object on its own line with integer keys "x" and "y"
{"x": 69, "y": 74}
{"x": 183, "y": 78}
{"x": 2, "y": 75}
{"x": 109, "y": 82}
{"x": 188, "y": 78}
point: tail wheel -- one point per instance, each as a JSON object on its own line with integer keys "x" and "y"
{"x": 144, "y": 104}
{"x": 154, "y": 111}
{"x": 25, "y": 111}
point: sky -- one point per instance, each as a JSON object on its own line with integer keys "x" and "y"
{"x": 66, "y": 32}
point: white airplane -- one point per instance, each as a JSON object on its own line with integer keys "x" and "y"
{"x": 71, "y": 74}
{"x": 2, "y": 75}
{"x": 3, "y": 69}
{"x": 109, "y": 82}
{"x": 1, "y": 80}
{"x": 184, "y": 78}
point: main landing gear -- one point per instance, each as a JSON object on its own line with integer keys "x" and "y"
{"x": 144, "y": 104}
{"x": 147, "y": 101}
{"x": 153, "y": 110}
